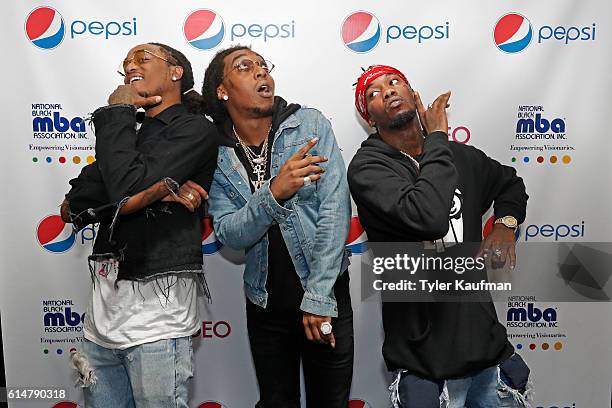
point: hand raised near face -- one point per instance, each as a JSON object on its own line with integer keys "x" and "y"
{"x": 433, "y": 119}
{"x": 127, "y": 94}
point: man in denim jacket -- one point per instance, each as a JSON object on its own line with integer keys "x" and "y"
{"x": 280, "y": 193}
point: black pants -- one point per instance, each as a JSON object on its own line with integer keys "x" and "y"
{"x": 278, "y": 343}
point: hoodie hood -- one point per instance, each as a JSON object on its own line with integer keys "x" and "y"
{"x": 281, "y": 111}
{"x": 375, "y": 144}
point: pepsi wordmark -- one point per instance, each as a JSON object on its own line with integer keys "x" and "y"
{"x": 420, "y": 33}
{"x": 557, "y": 232}
{"x": 567, "y": 34}
{"x": 266, "y": 32}
{"x": 108, "y": 28}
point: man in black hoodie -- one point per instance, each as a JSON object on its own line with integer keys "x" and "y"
{"x": 405, "y": 186}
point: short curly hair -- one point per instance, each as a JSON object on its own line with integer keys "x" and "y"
{"x": 212, "y": 79}
{"x": 189, "y": 97}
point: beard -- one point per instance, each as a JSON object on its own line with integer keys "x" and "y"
{"x": 264, "y": 112}
{"x": 402, "y": 120}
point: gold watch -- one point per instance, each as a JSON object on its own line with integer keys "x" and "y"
{"x": 509, "y": 221}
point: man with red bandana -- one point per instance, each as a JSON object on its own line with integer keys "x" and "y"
{"x": 411, "y": 184}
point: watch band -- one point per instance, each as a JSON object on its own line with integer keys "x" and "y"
{"x": 508, "y": 221}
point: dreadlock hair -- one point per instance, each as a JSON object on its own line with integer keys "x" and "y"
{"x": 192, "y": 100}
{"x": 212, "y": 79}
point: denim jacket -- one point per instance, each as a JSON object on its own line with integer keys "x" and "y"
{"x": 314, "y": 222}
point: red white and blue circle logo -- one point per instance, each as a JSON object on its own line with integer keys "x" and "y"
{"x": 211, "y": 404}
{"x": 357, "y": 403}
{"x": 204, "y": 29}
{"x": 45, "y": 28}
{"x": 360, "y": 31}
{"x": 66, "y": 404}
{"x": 357, "y": 241}
{"x": 512, "y": 33}
{"x": 55, "y": 235}
{"x": 210, "y": 243}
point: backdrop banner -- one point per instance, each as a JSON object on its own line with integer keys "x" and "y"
{"x": 530, "y": 83}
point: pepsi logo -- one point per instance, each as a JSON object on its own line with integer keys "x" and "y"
{"x": 360, "y": 31}
{"x": 66, "y": 404}
{"x": 45, "y": 28}
{"x": 357, "y": 403}
{"x": 488, "y": 227}
{"x": 204, "y": 29}
{"x": 210, "y": 243}
{"x": 512, "y": 33}
{"x": 55, "y": 235}
{"x": 357, "y": 241}
{"x": 211, "y": 404}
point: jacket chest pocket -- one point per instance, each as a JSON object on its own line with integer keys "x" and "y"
{"x": 307, "y": 194}
{"x": 233, "y": 194}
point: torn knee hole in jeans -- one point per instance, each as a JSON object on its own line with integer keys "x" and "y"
{"x": 520, "y": 398}
{"x": 80, "y": 363}
{"x": 395, "y": 394}
{"x": 444, "y": 398}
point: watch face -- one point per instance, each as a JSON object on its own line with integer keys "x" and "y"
{"x": 510, "y": 222}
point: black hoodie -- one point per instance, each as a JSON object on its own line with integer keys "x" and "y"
{"x": 453, "y": 187}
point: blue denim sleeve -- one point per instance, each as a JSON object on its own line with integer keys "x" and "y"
{"x": 332, "y": 227}
{"x": 240, "y": 227}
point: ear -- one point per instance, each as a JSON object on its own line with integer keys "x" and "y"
{"x": 221, "y": 92}
{"x": 177, "y": 72}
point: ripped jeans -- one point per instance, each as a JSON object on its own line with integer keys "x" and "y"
{"x": 150, "y": 375}
{"x": 485, "y": 389}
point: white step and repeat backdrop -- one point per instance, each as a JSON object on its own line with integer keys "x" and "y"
{"x": 530, "y": 82}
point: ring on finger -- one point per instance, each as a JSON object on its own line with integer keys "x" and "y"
{"x": 307, "y": 181}
{"x": 497, "y": 252}
{"x": 190, "y": 196}
{"x": 326, "y": 328}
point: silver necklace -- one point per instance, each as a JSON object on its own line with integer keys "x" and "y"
{"x": 258, "y": 162}
{"x": 416, "y": 163}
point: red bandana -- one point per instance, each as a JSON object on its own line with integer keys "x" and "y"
{"x": 368, "y": 76}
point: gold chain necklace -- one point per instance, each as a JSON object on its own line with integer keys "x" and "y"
{"x": 258, "y": 162}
